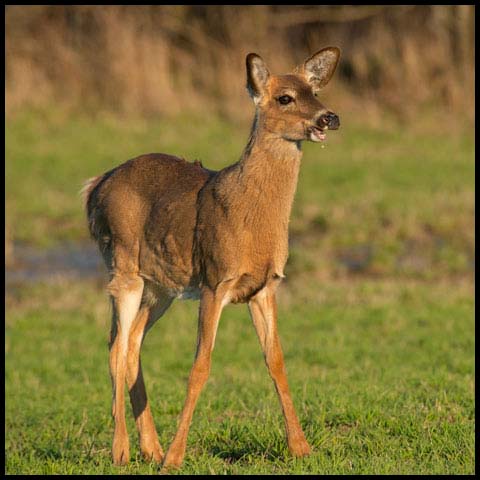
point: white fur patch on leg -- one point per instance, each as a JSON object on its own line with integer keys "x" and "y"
{"x": 127, "y": 293}
{"x": 128, "y": 305}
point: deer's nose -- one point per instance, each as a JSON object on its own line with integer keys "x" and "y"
{"x": 329, "y": 120}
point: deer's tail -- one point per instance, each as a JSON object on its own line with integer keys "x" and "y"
{"x": 87, "y": 192}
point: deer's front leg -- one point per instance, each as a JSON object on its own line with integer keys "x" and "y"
{"x": 210, "y": 309}
{"x": 263, "y": 310}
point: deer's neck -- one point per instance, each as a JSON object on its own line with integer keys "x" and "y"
{"x": 265, "y": 144}
{"x": 267, "y": 176}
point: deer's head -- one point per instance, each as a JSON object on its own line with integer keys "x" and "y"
{"x": 288, "y": 105}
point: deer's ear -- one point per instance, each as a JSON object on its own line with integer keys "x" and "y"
{"x": 319, "y": 68}
{"x": 257, "y": 76}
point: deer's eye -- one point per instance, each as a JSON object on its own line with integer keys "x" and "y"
{"x": 285, "y": 99}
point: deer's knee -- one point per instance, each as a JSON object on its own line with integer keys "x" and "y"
{"x": 275, "y": 363}
{"x": 201, "y": 371}
{"x": 122, "y": 284}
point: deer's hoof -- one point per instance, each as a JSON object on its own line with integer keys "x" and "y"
{"x": 172, "y": 461}
{"x": 153, "y": 453}
{"x": 300, "y": 449}
{"x": 120, "y": 450}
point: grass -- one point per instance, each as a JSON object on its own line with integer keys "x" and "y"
{"x": 382, "y": 376}
{"x": 376, "y": 314}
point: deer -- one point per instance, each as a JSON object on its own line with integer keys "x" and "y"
{"x": 167, "y": 229}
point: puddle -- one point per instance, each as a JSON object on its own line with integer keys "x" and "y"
{"x": 26, "y": 264}
{"x": 30, "y": 264}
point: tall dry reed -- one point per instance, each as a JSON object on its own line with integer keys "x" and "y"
{"x": 169, "y": 59}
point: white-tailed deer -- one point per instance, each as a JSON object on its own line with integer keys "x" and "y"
{"x": 171, "y": 229}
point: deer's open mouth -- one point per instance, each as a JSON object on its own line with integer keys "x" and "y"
{"x": 317, "y": 134}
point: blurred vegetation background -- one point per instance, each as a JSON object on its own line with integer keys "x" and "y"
{"x": 168, "y": 59}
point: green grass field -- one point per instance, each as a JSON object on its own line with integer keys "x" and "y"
{"x": 380, "y": 356}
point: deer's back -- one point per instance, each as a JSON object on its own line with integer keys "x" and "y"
{"x": 143, "y": 215}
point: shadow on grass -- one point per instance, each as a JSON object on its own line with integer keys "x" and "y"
{"x": 48, "y": 453}
{"x": 248, "y": 449}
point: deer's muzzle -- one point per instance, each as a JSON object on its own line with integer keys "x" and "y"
{"x": 328, "y": 121}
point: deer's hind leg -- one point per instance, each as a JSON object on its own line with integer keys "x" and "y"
{"x": 126, "y": 294}
{"x": 146, "y": 317}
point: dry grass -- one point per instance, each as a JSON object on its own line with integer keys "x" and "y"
{"x": 168, "y": 59}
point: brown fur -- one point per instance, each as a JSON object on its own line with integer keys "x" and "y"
{"x": 168, "y": 228}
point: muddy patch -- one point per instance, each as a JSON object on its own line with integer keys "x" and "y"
{"x": 25, "y": 263}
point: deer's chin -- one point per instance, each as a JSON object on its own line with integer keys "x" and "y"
{"x": 316, "y": 134}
